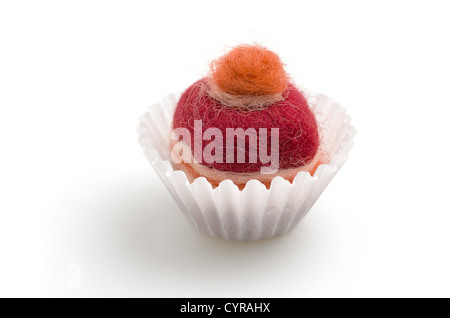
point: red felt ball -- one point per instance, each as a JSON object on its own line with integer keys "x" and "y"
{"x": 298, "y": 131}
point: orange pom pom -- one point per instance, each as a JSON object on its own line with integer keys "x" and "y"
{"x": 249, "y": 70}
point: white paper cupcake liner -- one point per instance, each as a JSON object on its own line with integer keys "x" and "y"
{"x": 254, "y": 213}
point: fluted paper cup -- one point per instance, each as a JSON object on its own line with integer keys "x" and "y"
{"x": 254, "y": 213}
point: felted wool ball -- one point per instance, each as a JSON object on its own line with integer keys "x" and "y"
{"x": 249, "y": 89}
{"x": 249, "y": 70}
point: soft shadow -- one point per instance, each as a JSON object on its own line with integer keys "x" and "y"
{"x": 150, "y": 236}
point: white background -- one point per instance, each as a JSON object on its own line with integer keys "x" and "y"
{"x": 81, "y": 207}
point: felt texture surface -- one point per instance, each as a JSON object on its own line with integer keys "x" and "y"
{"x": 249, "y": 70}
{"x": 298, "y": 131}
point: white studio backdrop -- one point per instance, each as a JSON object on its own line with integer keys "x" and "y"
{"x": 83, "y": 214}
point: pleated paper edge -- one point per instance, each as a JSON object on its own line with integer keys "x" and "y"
{"x": 203, "y": 205}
